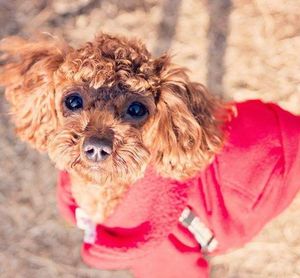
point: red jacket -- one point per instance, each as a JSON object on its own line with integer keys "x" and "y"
{"x": 253, "y": 179}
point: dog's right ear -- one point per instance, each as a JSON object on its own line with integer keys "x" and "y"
{"x": 26, "y": 72}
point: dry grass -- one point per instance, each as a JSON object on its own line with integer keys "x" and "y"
{"x": 240, "y": 49}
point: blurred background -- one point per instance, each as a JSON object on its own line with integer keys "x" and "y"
{"x": 240, "y": 49}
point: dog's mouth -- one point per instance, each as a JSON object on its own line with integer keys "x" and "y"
{"x": 101, "y": 159}
{"x": 122, "y": 167}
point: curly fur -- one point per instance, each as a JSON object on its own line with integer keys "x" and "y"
{"x": 180, "y": 136}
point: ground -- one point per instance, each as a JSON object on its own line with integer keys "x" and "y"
{"x": 240, "y": 49}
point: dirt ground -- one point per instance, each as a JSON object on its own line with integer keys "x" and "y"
{"x": 240, "y": 49}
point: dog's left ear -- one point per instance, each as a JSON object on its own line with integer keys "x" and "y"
{"x": 27, "y": 75}
{"x": 186, "y": 130}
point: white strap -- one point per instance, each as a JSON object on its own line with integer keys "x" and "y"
{"x": 86, "y": 224}
{"x": 202, "y": 234}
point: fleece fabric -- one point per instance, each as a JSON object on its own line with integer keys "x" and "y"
{"x": 254, "y": 177}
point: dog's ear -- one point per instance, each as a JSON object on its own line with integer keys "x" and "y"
{"x": 186, "y": 130}
{"x": 27, "y": 74}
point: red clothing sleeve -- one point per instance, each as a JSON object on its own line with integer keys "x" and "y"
{"x": 254, "y": 178}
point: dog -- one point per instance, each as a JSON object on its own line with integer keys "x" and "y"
{"x": 158, "y": 172}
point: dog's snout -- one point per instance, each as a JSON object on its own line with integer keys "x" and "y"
{"x": 97, "y": 149}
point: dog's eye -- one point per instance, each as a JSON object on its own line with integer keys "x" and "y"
{"x": 137, "y": 110}
{"x": 74, "y": 102}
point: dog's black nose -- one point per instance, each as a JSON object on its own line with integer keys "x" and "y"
{"x": 97, "y": 149}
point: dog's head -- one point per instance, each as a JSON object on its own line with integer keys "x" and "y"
{"x": 107, "y": 110}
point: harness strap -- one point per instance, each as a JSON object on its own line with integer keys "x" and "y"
{"x": 201, "y": 233}
{"x": 188, "y": 219}
{"x": 84, "y": 223}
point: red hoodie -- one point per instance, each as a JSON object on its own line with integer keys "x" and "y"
{"x": 252, "y": 180}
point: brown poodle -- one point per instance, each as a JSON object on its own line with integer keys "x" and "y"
{"x": 105, "y": 111}
{"x": 156, "y": 171}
